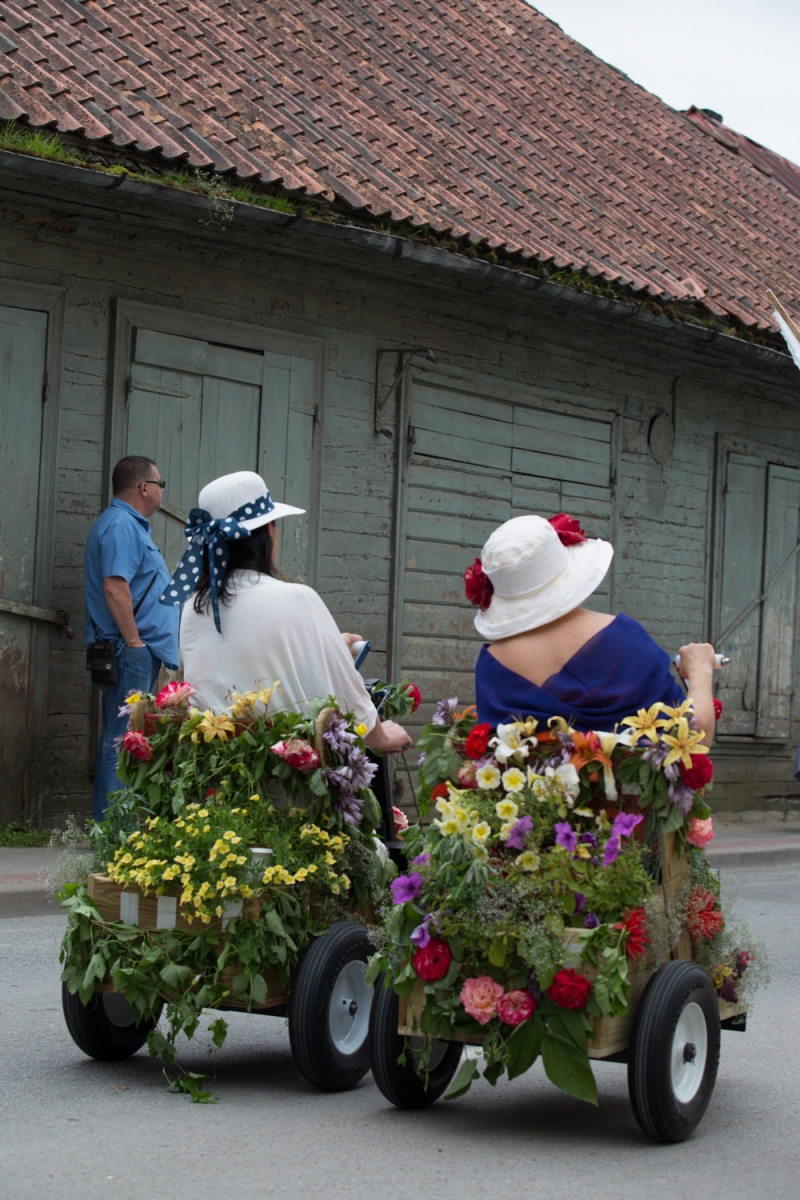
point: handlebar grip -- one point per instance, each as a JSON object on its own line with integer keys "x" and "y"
{"x": 720, "y": 659}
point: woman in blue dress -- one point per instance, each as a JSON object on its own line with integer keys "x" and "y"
{"x": 547, "y": 656}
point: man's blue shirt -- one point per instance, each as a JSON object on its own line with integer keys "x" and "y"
{"x": 120, "y": 543}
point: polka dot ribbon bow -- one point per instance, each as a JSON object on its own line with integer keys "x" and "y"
{"x": 208, "y": 542}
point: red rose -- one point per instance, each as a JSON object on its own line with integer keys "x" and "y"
{"x": 478, "y": 740}
{"x": 568, "y": 529}
{"x": 465, "y": 776}
{"x": 635, "y": 922}
{"x": 478, "y": 587}
{"x": 703, "y": 918}
{"x": 297, "y": 753}
{"x": 440, "y": 792}
{"x": 138, "y": 745}
{"x": 569, "y": 989}
{"x": 414, "y": 695}
{"x": 433, "y": 961}
{"x": 719, "y": 708}
{"x": 700, "y": 773}
{"x": 400, "y": 821}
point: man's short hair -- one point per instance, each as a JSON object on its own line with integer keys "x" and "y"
{"x": 129, "y": 473}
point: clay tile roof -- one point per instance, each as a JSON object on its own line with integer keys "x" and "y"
{"x": 478, "y": 117}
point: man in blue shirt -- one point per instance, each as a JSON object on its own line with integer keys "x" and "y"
{"x": 124, "y": 574}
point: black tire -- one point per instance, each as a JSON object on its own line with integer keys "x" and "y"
{"x": 674, "y": 1052}
{"x": 329, "y": 1009}
{"x": 105, "y": 1028}
{"x": 404, "y": 1085}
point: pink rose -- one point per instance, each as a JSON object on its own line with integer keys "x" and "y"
{"x": 297, "y": 753}
{"x": 173, "y": 694}
{"x": 137, "y": 745}
{"x": 515, "y": 1007}
{"x": 700, "y": 832}
{"x": 480, "y": 996}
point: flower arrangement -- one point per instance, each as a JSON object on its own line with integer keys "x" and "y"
{"x": 202, "y": 789}
{"x": 534, "y": 886}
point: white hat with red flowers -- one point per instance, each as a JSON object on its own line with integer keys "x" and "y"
{"x": 533, "y": 571}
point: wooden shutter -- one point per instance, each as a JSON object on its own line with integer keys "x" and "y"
{"x": 23, "y": 346}
{"x": 202, "y": 410}
{"x": 742, "y": 574}
{"x": 474, "y": 461}
{"x": 776, "y": 663}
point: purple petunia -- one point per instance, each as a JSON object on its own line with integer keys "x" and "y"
{"x": 566, "y": 835}
{"x": 591, "y": 921}
{"x": 518, "y": 837}
{"x": 407, "y": 887}
{"x": 420, "y": 936}
{"x": 589, "y": 839}
{"x": 611, "y": 850}
{"x": 625, "y": 823}
{"x": 580, "y": 902}
{"x": 420, "y": 860}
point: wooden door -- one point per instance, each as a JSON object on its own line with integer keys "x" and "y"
{"x": 23, "y": 349}
{"x": 202, "y": 410}
{"x": 474, "y": 460}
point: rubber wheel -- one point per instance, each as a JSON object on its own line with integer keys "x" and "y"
{"x": 329, "y": 1009}
{"x": 405, "y": 1085}
{"x": 106, "y": 1027}
{"x": 674, "y": 1052}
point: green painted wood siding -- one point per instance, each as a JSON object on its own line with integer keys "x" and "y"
{"x": 204, "y": 410}
{"x": 23, "y": 346}
{"x": 475, "y": 461}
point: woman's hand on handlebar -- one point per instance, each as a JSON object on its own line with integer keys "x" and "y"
{"x": 388, "y": 737}
{"x": 698, "y": 659}
{"x": 350, "y": 640}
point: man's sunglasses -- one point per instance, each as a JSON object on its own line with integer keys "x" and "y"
{"x": 162, "y": 483}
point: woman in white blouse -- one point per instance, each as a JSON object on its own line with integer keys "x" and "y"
{"x": 243, "y": 627}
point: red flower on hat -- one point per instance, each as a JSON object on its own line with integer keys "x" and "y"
{"x": 478, "y": 586}
{"x": 719, "y": 708}
{"x": 568, "y": 529}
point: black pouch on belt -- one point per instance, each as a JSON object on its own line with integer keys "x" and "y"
{"x": 101, "y": 660}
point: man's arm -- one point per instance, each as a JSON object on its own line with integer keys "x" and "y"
{"x": 120, "y": 605}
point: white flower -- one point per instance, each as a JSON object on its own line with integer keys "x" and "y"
{"x": 569, "y": 778}
{"x": 444, "y": 807}
{"x": 506, "y": 809}
{"x": 607, "y": 743}
{"x": 461, "y": 818}
{"x": 505, "y": 829}
{"x": 527, "y": 861}
{"x": 481, "y": 853}
{"x": 514, "y": 780}
{"x": 510, "y": 743}
{"x": 487, "y": 777}
{"x": 448, "y": 828}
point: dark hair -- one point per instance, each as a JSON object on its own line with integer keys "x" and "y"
{"x": 252, "y": 554}
{"x": 129, "y": 472}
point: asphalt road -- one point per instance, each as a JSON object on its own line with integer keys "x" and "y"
{"x": 74, "y": 1129}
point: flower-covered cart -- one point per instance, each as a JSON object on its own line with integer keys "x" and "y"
{"x": 559, "y": 905}
{"x": 237, "y": 870}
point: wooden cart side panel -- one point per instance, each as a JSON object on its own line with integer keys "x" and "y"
{"x": 106, "y": 896}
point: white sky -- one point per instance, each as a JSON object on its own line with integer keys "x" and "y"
{"x": 741, "y": 57}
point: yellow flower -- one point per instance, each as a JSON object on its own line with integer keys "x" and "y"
{"x": 480, "y": 832}
{"x": 230, "y": 881}
{"x": 255, "y": 799}
{"x": 681, "y": 710}
{"x": 329, "y": 859}
{"x": 219, "y": 910}
{"x": 527, "y": 861}
{"x": 361, "y": 729}
{"x": 646, "y": 722}
{"x": 206, "y": 829}
{"x": 527, "y": 728}
{"x": 301, "y": 874}
{"x": 245, "y": 891}
{"x": 461, "y": 818}
{"x": 514, "y": 780}
{"x": 448, "y": 828}
{"x": 126, "y": 858}
{"x": 213, "y": 725}
{"x": 684, "y": 744}
{"x": 252, "y": 704}
{"x": 506, "y": 809}
{"x": 444, "y": 807}
{"x": 487, "y": 778}
{"x": 335, "y": 889}
{"x": 241, "y": 860}
{"x": 312, "y": 867}
{"x": 480, "y": 852}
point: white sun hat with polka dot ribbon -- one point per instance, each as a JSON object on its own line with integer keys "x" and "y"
{"x": 225, "y": 496}
{"x": 230, "y": 508}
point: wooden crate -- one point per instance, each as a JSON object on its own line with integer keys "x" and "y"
{"x": 611, "y": 1034}
{"x": 120, "y": 902}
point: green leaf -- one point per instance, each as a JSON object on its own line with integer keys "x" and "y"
{"x": 493, "y": 1072}
{"x": 174, "y": 975}
{"x": 258, "y": 989}
{"x": 497, "y": 954}
{"x": 376, "y": 965}
{"x": 317, "y": 783}
{"x": 218, "y": 1030}
{"x": 464, "y": 1077}
{"x": 524, "y": 1046}
{"x": 568, "y": 1068}
{"x": 274, "y": 923}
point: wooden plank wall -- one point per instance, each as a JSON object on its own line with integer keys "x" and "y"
{"x": 518, "y": 353}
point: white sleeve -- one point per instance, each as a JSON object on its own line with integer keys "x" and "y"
{"x": 345, "y": 682}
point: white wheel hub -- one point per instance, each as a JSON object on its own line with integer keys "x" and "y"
{"x": 348, "y": 1014}
{"x": 118, "y": 1011}
{"x": 689, "y": 1053}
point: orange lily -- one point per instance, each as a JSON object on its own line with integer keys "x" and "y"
{"x": 470, "y": 710}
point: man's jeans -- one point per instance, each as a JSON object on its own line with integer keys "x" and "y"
{"x": 137, "y": 671}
